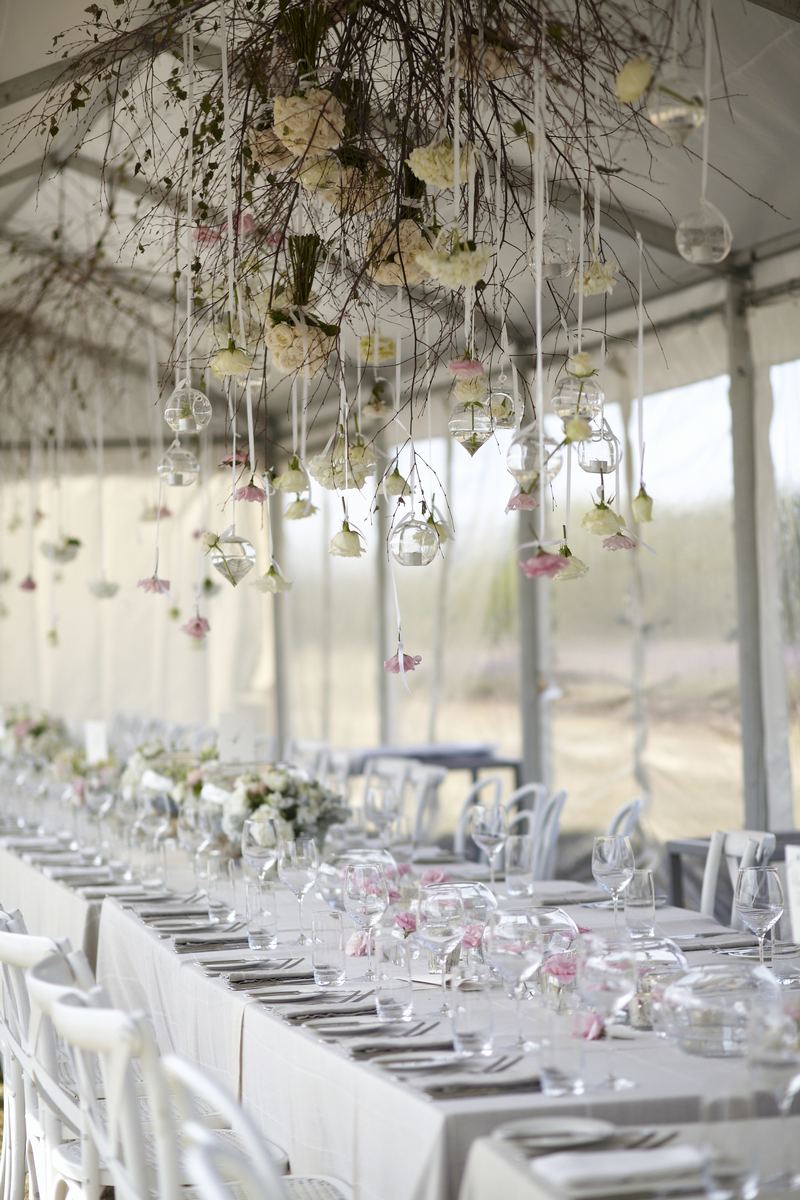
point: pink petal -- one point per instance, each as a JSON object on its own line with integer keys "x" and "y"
{"x": 198, "y": 627}
{"x": 410, "y": 663}
{"x": 28, "y": 584}
{"x": 619, "y": 541}
{"x": 522, "y": 502}
{"x": 156, "y": 586}
{"x": 542, "y": 564}
{"x": 465, "y": 368}
{"x": 251, "y": 492}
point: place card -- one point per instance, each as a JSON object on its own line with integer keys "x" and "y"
{"x": 792, "y": 885}
{"x": 95, "y": 738}
{"x": 237, "y": 737}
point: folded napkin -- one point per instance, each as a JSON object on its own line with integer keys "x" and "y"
{"x": 120, "y": 891}
{"x": 576, "y": 896}
{"x": 594, "y": 1173}
{"x": 74, "y": 872}
{"x": 725, "y": 941}
{"x": 242, "y": 980}
{"x": 20, "y": 844}
{"x": 478, "y": 1086}
{"x": 314, "y": 1011}
{"x": 402, "y": 1045}
{"x": 199, "y": 942}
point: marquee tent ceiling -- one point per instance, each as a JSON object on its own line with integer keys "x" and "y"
{"x": 753, "y": 128}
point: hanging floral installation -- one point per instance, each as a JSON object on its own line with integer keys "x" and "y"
{"x": 349, "y": 201}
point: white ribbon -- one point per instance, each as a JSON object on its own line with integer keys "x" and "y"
{"x": 706, "y": 96}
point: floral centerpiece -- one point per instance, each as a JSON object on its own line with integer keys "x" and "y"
{"x": 35, "y": 734}
{"x": 299, "y": 806}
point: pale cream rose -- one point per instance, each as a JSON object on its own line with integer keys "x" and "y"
{"x": 577, "y": 429}
{"x": 273, "y": 582}
{"x": 280, "y": 336}
{"x": 633, "y": 80}
{"x": 602, "y": 520}
{"x": 471, "y": 389}
{"x": 642, "y": 506}
{"x": 397, "y": 248}
{"x": 434, "y": 164}
{"x": 456, "y": 268}
{"x": 580, "y": 365}
{"x": 231, "y": 361}
{"x": 346, "y": 543}
{"x": 599, "y": 278}
{"x": 267, "y": 150}
{"x": 309, "y": 124}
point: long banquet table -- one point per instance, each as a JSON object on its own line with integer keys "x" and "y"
{"x": 335, "y": 1115}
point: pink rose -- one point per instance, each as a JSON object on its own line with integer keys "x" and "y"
{"x": 357, "y": 945}
{"x": 522, "y": 501}
{"x": 472, "y": 937}
{"x": 584, "y": 929}
{"x": 588, "y": 1026}
{"x": 241, "y": 458}
{"x": 28, "y": 584}
{"x": 619, "y": 541}
{"x": 542, "y": 564}
{"x": 410, "y": 663}
{"x": 158, "y": 587}
{"x": 198, "y": 627}
{"x": 433, "y": 876}
{"x": 562, "y": 967}
{"x": 404, "y": 869}
{"x": 251, "y": 492}
{"x": 407, "y": 922}
{"x": 465, "y": 368}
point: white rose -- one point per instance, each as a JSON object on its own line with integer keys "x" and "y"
{"x": 580, "y": 365}
{"x": 346, "y": 543}
{"x": 309, "y": 124}
{"x": 602, "y": 520}
{"x": 633, "y": 80}
{"x": 434, "y": 164}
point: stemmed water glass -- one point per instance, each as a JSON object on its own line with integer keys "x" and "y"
{"x": 514, "y": 947}
{"x": 613, "y": 865}
{"x": 366, "y": 898}
{"x": 298, "y": 864}
{"x": 488, "y": 828}
{"x": 260, "y": 845}
{"x": 381, "y": 805}
{"x": 440, "y": 926}
{"x": 606, "y": 982}
{"x": 759, "y": 901}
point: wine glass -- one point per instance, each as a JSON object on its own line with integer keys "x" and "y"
{"x": 773, "y": 1055}
{"x": 366, "y": 898}
{"x": 488, "y": 828}
{"x": 381, "y": 805}
{"x": 260, "y": 845}
{"x": 440, "y": 926}
{"x": 759, "y": 901}
{"x": 513, "y": 946}
{"x": 612, "y": 867}
{"x": 298, "y": 863}
{"x": 606, "y": 982}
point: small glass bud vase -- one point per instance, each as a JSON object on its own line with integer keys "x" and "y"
{"x": 413, "y": 542}
{"x": 178, "y": 467}
{"x": 471, "y": 425}
{"x": 577, "y": 398}
{"x": 505, "y": 411}
{"x": 187, "y": 410}
{"x": 233, "y": 556}
{"x": 704, "y": 236}
{"x": 522, "y": 460}
{"x": 559, "y": 256}
{"x": 601, "y": 453}
{"x": 675, "y": 104}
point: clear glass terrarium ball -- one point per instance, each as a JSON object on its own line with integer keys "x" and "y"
{"x": 577, "y": 398}
{"x": 601, "y": 453}
{"x": 233, "y": 556}
{"x": 505, "y": 411}
{"x": 187, "y": 410}
{"x": 413, "y": 542}
{"x": 471, "y": 425}
{"x": 704, "y": 236}
{"x": 559, "y": 256}
{"x": 675, "y": 104}
{"x": 523, "y": 458}
{"x": 178, "y": 467}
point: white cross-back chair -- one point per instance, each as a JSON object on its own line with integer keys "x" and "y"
{"x": 487, "y": 791}
{"x": 23, "y": 1131}
{"x": 237, "y": 1156}
{"x": 626, "y": 819}
{"x": 546, "y": 831}
{"x": 310, "y": 756}
{"x": 738, "y": 848}
{"x": 423, "y": 783}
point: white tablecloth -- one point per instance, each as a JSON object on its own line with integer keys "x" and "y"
{"x": 50, "y": 908}
{"x": 349, "y": 1119}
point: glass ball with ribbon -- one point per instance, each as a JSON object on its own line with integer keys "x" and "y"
{"x": 178, "y": 467}
{"x": 505, "y": 408}
{"x": 601, "y": 453}
{"x": 470, "y": 425}
{"x": 577, "y": 396}
{"x": 559, "y": 256}
{"x": 525, "y": 456}
{"x": 675, "y": 104}
{"x": 231, "y": 555}
{"x": 187, "y": 410}
{"x": 413, "y": 542}
{"x": 704, "y": 236}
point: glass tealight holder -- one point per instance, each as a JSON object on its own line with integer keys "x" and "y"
{"x": 559, "y": 256}
{"x": 178, "y": 467}
{"x": 233, "y": 556}
{"x": 704, "y": 236}
{"x": 504, "y": 410}
{"x": 601, "y": 453}
{"x": 187, "y": 410}
{"x": 522, "y": 459}
{"x": 413, "y": 542}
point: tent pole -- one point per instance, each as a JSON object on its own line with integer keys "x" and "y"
{"x": 279, "y": 638}
{"x": 384, "y": 633}
{"x": 534, "y": 704}
{"x": 742, "y": 401}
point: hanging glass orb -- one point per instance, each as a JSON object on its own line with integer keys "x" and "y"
{"x": 471, "y": 425}
{"x": 601, "y": 453}
{"x": 233, "y": 556}
{"x": 522, "y": 459}
{"x": 413, "y": 542}
{"x": 675, "y": 104}
{"x": 704, "y": 236}
{"x": 381, "y": 397}
{"x": 577, "y": 398}
{"x": 559, "y": 255}
{"x": 178, "y": 467}
{"x": 187, "y": 410}
{"x": 505, "y": 411}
